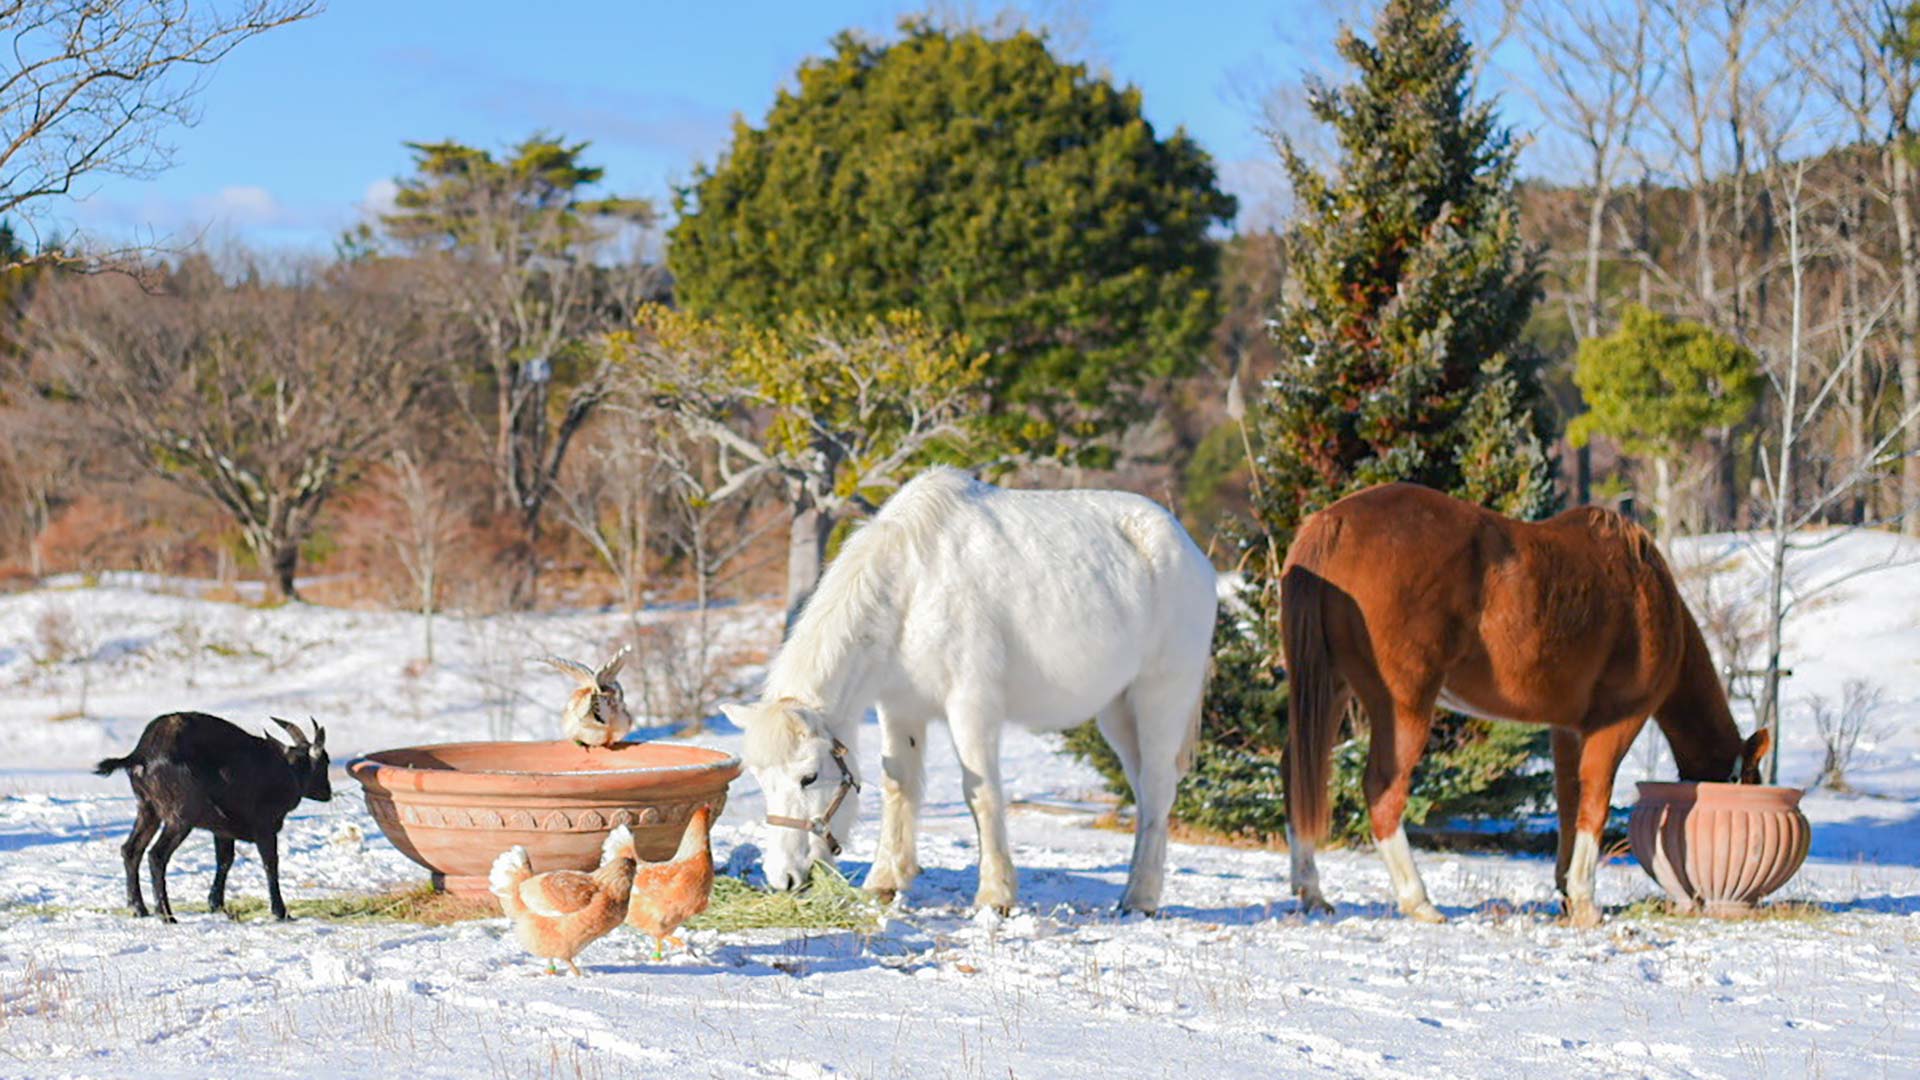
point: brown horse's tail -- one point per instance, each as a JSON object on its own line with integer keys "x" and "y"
{"x": 1311, "y": 720}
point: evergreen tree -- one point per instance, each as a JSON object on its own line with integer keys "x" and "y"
{"x": 1400, "y": 349}
{"x": 979, "y": 180}
{"x": 1399, "y": 359}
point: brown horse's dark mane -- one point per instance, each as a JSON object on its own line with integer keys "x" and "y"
{"x": 1695, "y": 717}
{"x": 1613, "y": 526}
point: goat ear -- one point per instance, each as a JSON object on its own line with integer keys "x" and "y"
{"x": 612, "y": 667}
{"x": 581, "y": 672}
{"x": 299, "y": 737}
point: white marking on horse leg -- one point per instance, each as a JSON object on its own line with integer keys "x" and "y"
{"x": 976, "y": 740}
{"x": 896, "y": 860}
{"x": 1582, "y": 869}
{"x": 1408, "y": 889}
{"x": 1305, "y": 875}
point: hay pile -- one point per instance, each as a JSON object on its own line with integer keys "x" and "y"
{"x": 829, "y": 902}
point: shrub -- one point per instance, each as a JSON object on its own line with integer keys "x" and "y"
{"x": 1236, "y": 787}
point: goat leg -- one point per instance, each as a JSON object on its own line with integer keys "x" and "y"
{"x": 145, "y": 821}
{"x": 171, "y": 837}
{"x": 222, "y": 862}
{"x": 269, "y": 845}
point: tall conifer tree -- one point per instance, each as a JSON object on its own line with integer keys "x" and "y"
{"x": 1400, "y": 346}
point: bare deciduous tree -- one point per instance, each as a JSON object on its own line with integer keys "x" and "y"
{"x": 608, "y": 496}
{"x": 262, "y": 397}
{"x": 830, "y": 411}
{"x": 1842, "y": 727}
{"x": 432, "y": 522}
{"x": 523, "y": 261}
{"x": 91, "y": 87}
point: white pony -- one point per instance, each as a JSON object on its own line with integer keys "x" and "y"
{"x": 984, "y": 607}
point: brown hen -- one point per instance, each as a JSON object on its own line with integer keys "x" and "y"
{"x": 560, "y": 912}
{"x": 666, "y": 894}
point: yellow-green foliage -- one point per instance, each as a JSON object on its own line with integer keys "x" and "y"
{"x": 877, "y": 392}
{"x": 1659, "y": 384}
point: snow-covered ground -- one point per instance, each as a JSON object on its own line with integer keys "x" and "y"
{"x": 1229, "y": 981}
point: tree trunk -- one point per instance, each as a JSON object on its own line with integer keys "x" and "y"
{"x": 1909, "y": 336}
{"x": 1663, "y": 497}
{"x": 279, "y": 558}
{"x": 526, "y": 586}
{"x": 806, "y": 553}
{"x": 427, "y": 583}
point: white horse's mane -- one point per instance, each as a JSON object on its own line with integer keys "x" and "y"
{"x": 854, "y": 596}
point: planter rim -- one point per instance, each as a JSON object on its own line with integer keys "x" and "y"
{"x": 379, "y": 771}
{"x": 1696, "y": 790}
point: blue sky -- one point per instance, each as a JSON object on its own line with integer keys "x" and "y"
{"x": 302, "y": 129}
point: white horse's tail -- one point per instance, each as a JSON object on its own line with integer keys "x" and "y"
{"x": 1190, "y": 743}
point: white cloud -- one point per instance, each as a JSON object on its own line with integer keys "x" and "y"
{"x": 240, "y": 205}
{"x": 379, "y": 196}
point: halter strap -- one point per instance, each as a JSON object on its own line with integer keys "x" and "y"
{"x": 822, "y": 826}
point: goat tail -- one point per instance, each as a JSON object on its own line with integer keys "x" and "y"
{"x": 1312, "y": 719}
{"x": 509, "y": 870}
{"x": 109, "y": 766}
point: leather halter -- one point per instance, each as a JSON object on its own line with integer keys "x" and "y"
{"x": 822, "y": 825}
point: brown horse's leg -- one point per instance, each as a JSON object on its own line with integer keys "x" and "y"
{"x": 1397, "y": 745}
{"x": 1600, "y": 755}
{"x": 1566, "y": 798}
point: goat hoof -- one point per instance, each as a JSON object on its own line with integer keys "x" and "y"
{"x": 169, "y": 919}
{"x": 141, "y": 912}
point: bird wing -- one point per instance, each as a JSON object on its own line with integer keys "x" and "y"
{"x": 667, "y": 894}
{"x": 558, "y": 892}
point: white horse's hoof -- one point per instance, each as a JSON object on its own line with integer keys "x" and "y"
{"x": 1424, "y": 912}
{"x": 1582, "y": 914}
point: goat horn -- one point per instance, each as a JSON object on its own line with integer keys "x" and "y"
{"x": 319, "y": 733}
{"x": 574, "y": 668}
{"x": 299, "y": 737}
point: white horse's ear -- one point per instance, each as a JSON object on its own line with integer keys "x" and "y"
{"x": 737, "y": 715}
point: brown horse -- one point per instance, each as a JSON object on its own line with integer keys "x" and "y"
{"x": 1405, "y": 599}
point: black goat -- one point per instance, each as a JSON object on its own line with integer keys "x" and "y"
{"x": 194, "y": 771}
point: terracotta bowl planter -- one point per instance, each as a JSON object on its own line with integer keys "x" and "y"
{"x": 1719, "y": 846}
{"x": 454, "y": 807}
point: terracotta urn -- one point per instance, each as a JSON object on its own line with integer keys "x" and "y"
{"x": 1720, "y": 847}
{"x": 454, "y": 807}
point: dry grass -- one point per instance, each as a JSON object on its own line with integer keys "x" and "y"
{"x": 1659, "y": 908}
{"x": 420, "y": 905}
{"x": 829, "y": 902}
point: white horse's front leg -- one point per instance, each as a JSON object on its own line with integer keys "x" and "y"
{"x": 903, "y": 755}
{"x": 976, "y": 739}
